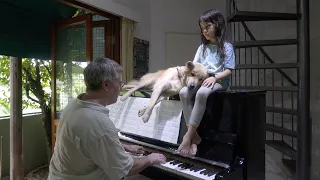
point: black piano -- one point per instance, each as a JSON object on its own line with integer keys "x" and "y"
{"x": 232, "y": 147}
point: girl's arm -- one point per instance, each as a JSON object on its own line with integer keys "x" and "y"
{"x": 229, "y": 63}
{"x": 197, "y": 55}
{"x": 223, "y": 74}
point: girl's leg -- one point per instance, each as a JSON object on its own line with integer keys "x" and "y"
{"x": 186, "y": 96}
{"x": 191, "y": 138}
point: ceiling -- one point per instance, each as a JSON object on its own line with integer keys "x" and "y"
{"x": 26, "y": 26}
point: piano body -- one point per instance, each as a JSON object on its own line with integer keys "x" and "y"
{"x": 232, "y": 147}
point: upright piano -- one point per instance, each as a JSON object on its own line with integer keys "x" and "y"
{"x": 232, "y": 146}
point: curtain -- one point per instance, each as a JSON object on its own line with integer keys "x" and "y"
{"x": 127, "y": 36}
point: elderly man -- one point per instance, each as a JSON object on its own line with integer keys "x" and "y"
{"x": 88, "y": 146}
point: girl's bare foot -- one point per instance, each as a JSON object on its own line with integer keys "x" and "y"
{"x": 194, "y": 144}
{"x": 193, "y": 149}
{"x": 184, "y": 147}
{"x": 196, "y": 139}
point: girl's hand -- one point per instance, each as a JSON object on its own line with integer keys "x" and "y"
{"x": 209, "y": 81}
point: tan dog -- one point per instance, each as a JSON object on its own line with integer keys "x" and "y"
{"x": 165, "y": 83}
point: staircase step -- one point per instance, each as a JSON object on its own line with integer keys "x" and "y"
{"x": 290, "y": 164}
{"x": 266, "y": 88}
{"x": 267, "y": 66}
{"x": 283, "y": 147}
{"x": 280, "y": 130}
{"x": 259, "y": 43}
{"x": 239, "y": 16}
{"x": 282, "y": 110}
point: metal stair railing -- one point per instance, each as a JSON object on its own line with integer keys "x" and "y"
{"x": 283, "y": 145}
{"x": 263, "y": 52}
{"x": 302, "y": 164}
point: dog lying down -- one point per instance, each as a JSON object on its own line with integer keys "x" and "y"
{"x": 166, "y": 83}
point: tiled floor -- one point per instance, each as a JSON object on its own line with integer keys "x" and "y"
{"x": 275, "y": 170}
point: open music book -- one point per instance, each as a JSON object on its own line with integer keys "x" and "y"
{"x": 164, "y": 122}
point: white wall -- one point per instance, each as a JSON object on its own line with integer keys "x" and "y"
{"x": 174, "y": 16}
{"x": 138, "y": 10}
{"x": 156, "y": 18}
{"x": 34, "y": 143}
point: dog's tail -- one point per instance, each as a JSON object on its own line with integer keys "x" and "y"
{"x": 146, "y": 81}
{"x": 151, "y": 77}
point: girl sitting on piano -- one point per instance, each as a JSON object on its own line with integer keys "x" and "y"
{"x": 217, "y": 54}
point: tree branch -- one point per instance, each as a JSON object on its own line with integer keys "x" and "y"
{"x": 35, "y": 86}
{"x": 28, "y": 75}
{"x": 38, "y": 72}
{"x": 28, "y": 93}
{"x": 45, "y": 67}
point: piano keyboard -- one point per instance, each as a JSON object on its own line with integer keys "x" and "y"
{"x": 184, "y": 170}
{"x": 181, "y": 167}
{"x": 188, "y": 171}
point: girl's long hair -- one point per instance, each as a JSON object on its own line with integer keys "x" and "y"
{"x": 214, "y": 16}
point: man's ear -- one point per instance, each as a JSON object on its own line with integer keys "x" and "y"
{"x": 190, "y": 65}
{"x": 105, "y": 85}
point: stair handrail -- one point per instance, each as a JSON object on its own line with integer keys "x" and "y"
{"x": 264, "y": 53}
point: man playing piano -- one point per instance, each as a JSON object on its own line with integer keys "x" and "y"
{"x": 87, "y": 145}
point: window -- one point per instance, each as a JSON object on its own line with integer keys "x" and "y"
{"x": 35, "y": 84}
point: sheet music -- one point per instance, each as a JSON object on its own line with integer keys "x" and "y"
{"x": 116, "y": 111}
{"x": 169, "y": 117}
{"x": 163, "y": 124}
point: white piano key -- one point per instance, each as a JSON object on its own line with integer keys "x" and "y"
{"x": 187, "y": 173}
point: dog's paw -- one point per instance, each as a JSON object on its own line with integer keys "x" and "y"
{"x": 145, "y": 117}
{"x": 142, "y": 111}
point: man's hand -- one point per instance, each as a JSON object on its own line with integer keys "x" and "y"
{"x": 156, "y": 158}
{"x": 140, "y": 163}
{"x": 209, "y": 81}
{"x": 134, "y": 149}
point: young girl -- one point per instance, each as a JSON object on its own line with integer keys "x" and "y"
{"x": 217, "y": 54}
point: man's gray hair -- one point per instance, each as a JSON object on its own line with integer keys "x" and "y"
{"x": 99, "y": 70}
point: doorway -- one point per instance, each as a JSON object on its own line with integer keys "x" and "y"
{"x": 75, "y": 42}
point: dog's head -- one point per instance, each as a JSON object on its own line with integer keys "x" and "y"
{"x": 196, "y": 74}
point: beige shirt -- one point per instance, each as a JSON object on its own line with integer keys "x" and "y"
{"x": 88, "y": 146}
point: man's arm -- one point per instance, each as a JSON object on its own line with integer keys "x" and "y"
{"x": 108, "y": 153}
{"x": 133, "y": 148}
{"x": 139, "y": 164}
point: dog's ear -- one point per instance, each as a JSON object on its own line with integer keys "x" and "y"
{"x": 190, "y": 65}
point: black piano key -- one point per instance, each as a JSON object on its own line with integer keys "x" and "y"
{"x": 175, "y": 162}
{"x": 188, "y": 166}
{"x": 169, "y": 159}
{"x": 172, "y": 162}
{"x": 206, "y": 172}
{"x": 211, "y": 173}
{"x": 184, "y": 165}
{"x": 203, "y": 171}
{"x": 196, "y": 168}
